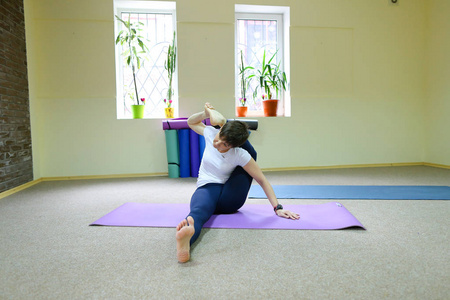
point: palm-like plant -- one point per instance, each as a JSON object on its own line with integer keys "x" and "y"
{"x": 133, "y": 45}
{"x": 270, "y": 77}
{"x": 170, "y": 64}
{"x": 245, "y": 80}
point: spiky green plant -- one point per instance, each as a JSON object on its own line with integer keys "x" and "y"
{"x": 270, "y": 77}
{"x": 170, "y": 65}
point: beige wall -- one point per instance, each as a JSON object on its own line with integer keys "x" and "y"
{"x": 438, "y": 83}
{"x": 358, "y": 86}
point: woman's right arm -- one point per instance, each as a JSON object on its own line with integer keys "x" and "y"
{"x": 216, "y": 118}
{"x": 195, "y": 122}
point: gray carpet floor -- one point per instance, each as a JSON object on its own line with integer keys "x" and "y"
{"x": 48, "y": 251}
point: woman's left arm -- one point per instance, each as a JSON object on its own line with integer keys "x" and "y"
{"x": 254, "y": 170}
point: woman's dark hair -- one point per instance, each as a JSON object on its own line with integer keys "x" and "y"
{"x": 235, "y": 133}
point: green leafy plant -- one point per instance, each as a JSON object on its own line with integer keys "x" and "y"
{"x": 170, "y": 65}
{"x": 134, "y": 47}
{"x": 244, "y": 80}
{"x": 270, "y": 77}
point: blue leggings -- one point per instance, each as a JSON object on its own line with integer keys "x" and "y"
{"x": 216, "y": 198}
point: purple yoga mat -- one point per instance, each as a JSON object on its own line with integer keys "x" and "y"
{"x": 332, "y": 215}
{"x": 194, "y": 152}
{"x": 179, "y": 123}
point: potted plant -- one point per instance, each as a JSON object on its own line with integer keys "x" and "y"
{"x": 245, "y": 80}
{"x": 169, "y": 65}
{"x": 133, "y": 47}
{"x": 169, "y": 109}
{"x": 270, "y": 78}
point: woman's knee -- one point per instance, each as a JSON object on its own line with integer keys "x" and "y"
{"x": 234, "y": 193}
{"x": 247, "y": 146}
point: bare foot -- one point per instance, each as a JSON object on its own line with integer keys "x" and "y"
{"x": 185, "y": 230}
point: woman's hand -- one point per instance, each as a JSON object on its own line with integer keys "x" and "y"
{"x": 207, "y": 109}
{"x": 287, "y": 214}
{"x": 208, "y": 105}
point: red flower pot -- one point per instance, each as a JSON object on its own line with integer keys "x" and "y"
{"x": 270, "y": 107}
{"x": 241, "y": 111}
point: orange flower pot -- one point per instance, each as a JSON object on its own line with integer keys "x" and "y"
{"x": 241, "y": 111}
{"x": 270, "y": 107}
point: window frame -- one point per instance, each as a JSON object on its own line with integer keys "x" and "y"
{"x": 282, "y": 16}
{"x": 140, "y": 7}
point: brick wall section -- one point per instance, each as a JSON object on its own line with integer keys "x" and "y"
{"x": 16, "y": 165}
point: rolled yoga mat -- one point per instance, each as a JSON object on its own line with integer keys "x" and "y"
{"x": 183, "y": 142}
{"x": 181, "y": 123}
{"x": 252, "y": 124}
{"x": 177, "y": 123}
{"x": 381, "y": 192}
{"x": 202, "y": 145}
{"x": 194, "y": 150}
{"x": 326, "y": 216}
{"x": 173, "y": 160}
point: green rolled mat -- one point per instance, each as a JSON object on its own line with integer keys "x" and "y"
{"x": 173, "y": 153}
{"x": 174, "y": 170}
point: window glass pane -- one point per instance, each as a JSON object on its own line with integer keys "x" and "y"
{"x": 151, "y": 78}
{"x": 253, "y": 37}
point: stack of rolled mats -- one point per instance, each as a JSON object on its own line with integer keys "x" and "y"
{"x": 185, "y": 147}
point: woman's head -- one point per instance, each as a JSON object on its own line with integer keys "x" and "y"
{"x": 234, "y": 133}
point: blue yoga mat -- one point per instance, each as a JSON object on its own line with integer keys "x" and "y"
{"x": 185, "y": 157}
{"x": 201, "y": 142}
{"x": 379, "y": 192}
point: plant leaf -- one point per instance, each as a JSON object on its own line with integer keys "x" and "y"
{"x": 118, "y": 37}
{"x": 141, "y": 44}
{"x": 119, "y": 19}
{"x": 138, "y": 61}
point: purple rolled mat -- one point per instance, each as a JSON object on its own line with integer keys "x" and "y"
{"x": 327, "y": 216}
{"x": 179, "y": 123}
{"x": 194, "y": 148}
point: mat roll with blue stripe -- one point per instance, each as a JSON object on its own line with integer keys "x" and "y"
{"x": 185, "y": 157}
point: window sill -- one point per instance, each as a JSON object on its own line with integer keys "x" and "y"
{"x": 259, "y": 114}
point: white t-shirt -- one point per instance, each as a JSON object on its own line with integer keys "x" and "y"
{"x": 216, "y": 167}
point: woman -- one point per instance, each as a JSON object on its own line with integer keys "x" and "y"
{"x": 225, "y": 176}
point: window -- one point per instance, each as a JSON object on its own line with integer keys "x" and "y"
{"x": 158, "y": 26}
{"x": 259, "y": 30}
